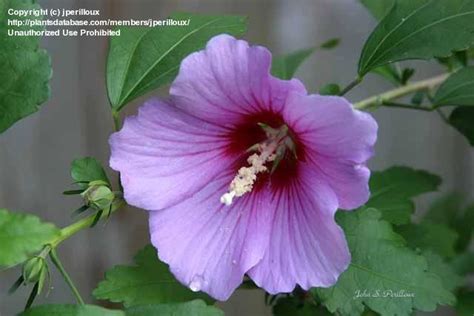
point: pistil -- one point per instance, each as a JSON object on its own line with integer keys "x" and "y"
{"x": 271, "y": 150}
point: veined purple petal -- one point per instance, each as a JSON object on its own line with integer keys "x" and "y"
{"x": 338, "y": 141}
{"x": 165, "y": 155}
{"x": 306, "y": 247}
{"x": 210, "y": 246}
{"x": 229, "y": 80}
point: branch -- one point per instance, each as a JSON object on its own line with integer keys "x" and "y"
{"x": 86, "y": 222}
{"x": 400, "y": 92}
{"x": 406, "y": 106}
{"x": 351, "y": 85}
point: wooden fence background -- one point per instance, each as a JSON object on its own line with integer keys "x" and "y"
{"x": 36, "y": 153}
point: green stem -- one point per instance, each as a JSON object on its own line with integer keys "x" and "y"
{"x": 67, "y": 278}
{"x": 406, "y": 106}
{"x": 86, "y": 222}
{"x": 400, "y": 92}
{"x": 116, "y": 117}
{"x": 72, "y": 229}
{"x": 351, "y": 85}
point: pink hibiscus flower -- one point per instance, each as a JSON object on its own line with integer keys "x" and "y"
{"x": 242, "y": 173}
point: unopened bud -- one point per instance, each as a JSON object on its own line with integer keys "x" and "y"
{"x": 98, "y": 196}
{"x": 33, "y": 269}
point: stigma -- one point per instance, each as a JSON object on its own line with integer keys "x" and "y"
{"x": 271, "y": 150}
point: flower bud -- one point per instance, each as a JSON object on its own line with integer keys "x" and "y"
{"x": 98, "y": 195}
{"x": 33, "y": 269}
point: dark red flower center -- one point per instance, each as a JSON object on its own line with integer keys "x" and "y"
{"x": 253, "y": 130}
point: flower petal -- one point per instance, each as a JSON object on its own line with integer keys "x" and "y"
{"x": 165, "y": 155}
{"x": 210, "y": 246}
{"x": 338, "y": 141}
{"x": 228, "y": 80}
{"x": 307, "y": 247}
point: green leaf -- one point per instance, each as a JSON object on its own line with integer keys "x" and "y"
{"x": 470, "y": 52}
{"x": 407, "y": 73}
{"x": 463, "y": 264}
{"x": 389, "y": 72}
{"x": 284, "y": 67}
{"x": 143, "y": 59}
{"x": 394, "y": 74}
{"x": 465, "y": 228}
{"x": 71, "y": 310}
{"x": 88, "y": 169}
{"x": 451, "y": 280}
{"x": 455, "y": 61}
{"x": 381, "y": 266}
{"x": 438, "y": 238}
{"x": 193, "y": 308}
{"x": 419, "y": 29}
{"x": 418, "y": 97}
{"x": 330, "y": 89}
{"x": 292, "y": 306}
{"x": 149, "y": 282}
{"x": 378, "y": 8}
{"x": 21, "y": 236}
{"x": 330, "y": 44}
{"x": 462, "y": 119}
{"x": 447, "y": 210}
{"x": 26, "y": 69}
{"x": 465, "y": 305}
{"x": 392, "y": 190}
{"x": 458, "y": 89}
